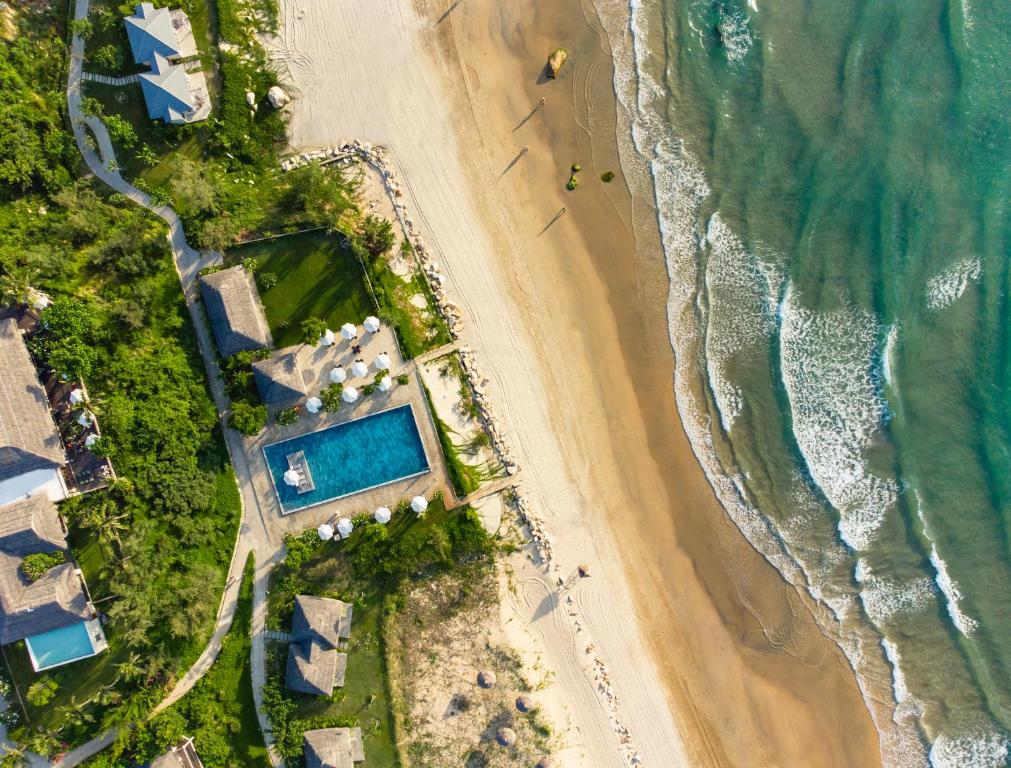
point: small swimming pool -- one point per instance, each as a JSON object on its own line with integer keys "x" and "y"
{"x": 347, "y": 458}
{"x": 60, "y": 646}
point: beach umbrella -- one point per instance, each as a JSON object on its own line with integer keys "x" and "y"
{"x": 76, "y": 396}
{"x": 419, "y": 504}
{"x": 349, "y": 395}
{"x": 371, "y": 324}
{"x": 313, "y": 404}
{"x": 506, "y": 737}
{"x": 385, "y": 383}
{"x": 524, "y": 703}
{"x": 486, "y": 678}
{"x": 359, "y": 369}
{"x": 90, "y": 440}
{"x": 383, "y": 362}
{"x": 84, "y": 418}
{"x": 344, "y": 527}
{"x": 338, "y": 375}
{"x": 382, "y": 515}
{"x": 325, "y": 531}
{"x": 545, "y": 762}
{"x": 348, "y": 332}
{"x": 328, "y": 338}
{"x": 292, "y": 477}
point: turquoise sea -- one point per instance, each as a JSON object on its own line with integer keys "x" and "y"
{"x": 833, "y": 186}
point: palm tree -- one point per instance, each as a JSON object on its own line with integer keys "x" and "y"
{"x": 16, "y": 285}
{"x": 14, "y": 757}
{"x": 105, "y": 518}
{"x": 129, "y": 668}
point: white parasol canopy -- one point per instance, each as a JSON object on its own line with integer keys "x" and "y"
{"x": 359, "y": 369}
{"x": 328, "y": 338}
{"x": 385, "y": 383}
{"x": 90, "y": 440}
{"x": 349, "y": 395}
{"x": 382, "y": 362}
{"x": 371, "y": 324}
{"x": 338, "y": 375}
{"x": 348, "y": 332}
{"x": 344, "y": 527}
{"x": 419, "y": 504}
{"x": 76, "y": 396}
{"x": 292, "y": 477}
{"x": 382, "y": 515}
{"x": 325, "y": 531}
{"x": 85, "y": 418}
{"x": 313, "y": 404}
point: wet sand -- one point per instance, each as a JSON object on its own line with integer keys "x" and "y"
{"x": 567, "y": 314}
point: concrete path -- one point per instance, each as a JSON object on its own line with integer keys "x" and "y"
{"x": 252, "y": 535}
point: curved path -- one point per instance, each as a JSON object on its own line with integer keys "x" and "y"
{"x": 252, "y": 536}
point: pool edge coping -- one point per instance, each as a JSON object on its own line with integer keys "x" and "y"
{"x": 94, "y": 651}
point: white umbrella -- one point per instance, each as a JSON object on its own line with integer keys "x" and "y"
{"x": 382, "y": 362}
{"x": 359, "y": 369}
{"x": 385, "y": 383}
{"x": 371, "y": 324}
{"x": 328, "y": 338}
{"x": 76, "y": 396}
{"x": 90, "y": 440}
{"x": 84, "y": 419}
{"x": 313, "y": 404}
{"x": 292, "y": 477}
{"x": 419, "y": 504}
{"x": 348, "y": 331}
{"x": 344, "y": 527}
{"x": 338, "y": 375}
{"x": 325, "y": 531}
{"x": 349, "y": 395}
{"x": 382, "y": 515}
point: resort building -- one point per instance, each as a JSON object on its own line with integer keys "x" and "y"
{"x": 160, "y": 38}
{"x": 52, "y": 613}
{"x": 183, "y": 755}
{"x": 31, "y": 452}
{"x": 333, "y": 748}
{"x": 319, "y": 627}
{"x": 279, "y": 379}
{"x": 234, "y": 310}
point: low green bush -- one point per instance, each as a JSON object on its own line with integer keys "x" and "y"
{"x": 36, "y": 565}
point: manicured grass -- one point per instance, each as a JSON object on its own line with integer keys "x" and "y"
{"x": 315, "y": 278}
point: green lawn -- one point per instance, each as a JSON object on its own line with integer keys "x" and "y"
{"x": 315, "y": 278}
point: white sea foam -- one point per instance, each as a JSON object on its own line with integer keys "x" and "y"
{"x": 945, "y": 289}
{"x": 828, "y": 371}
{"x": 888, "y": 358}
{"x": 738, "y": 38}
{"x": 952, "y": 594}
{"x": 979, "y": 750}
{"x": 883, "y": 598}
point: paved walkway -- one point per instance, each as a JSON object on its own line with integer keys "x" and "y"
{"x": 435, "y": 354}
{"x": 109, "y": 80}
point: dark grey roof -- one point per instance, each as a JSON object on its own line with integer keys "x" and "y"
{"x": 333, "y": 748}
{"x": 321, "y": 618}
{"x": 233, "y": 307}
{"x": 314, "y": 669}
{"x": 279, "y": 379}
{"x": 28, "y": 436}
{"x": 55, "y": 600}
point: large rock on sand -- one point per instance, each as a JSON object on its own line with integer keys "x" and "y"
{"x": 278, "y": 98}
{"x": 555, "y": 61}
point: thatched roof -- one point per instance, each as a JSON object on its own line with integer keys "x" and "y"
{"x": 333, "y": 748}
{"x": 55, "y": 600}
{"x": 314, "y": 664}
{"x": 233, "y": 307}
{"x": 321, "y": 618}
{"x": 314, "y": 669}
{"x": 279, "y": 379}
{"x": 28, "y": 437}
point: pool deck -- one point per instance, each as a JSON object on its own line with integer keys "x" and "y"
{"x": 316, "y": 363}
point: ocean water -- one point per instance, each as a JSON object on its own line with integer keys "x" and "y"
{"x": 832, "y": 182}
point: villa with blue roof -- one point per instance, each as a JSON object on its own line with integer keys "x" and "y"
{"x": 162, "y": 39}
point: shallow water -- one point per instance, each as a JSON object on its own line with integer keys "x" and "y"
{"x": 831, "y": 179}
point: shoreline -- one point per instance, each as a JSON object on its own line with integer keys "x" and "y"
{"x": 604, "y": 460}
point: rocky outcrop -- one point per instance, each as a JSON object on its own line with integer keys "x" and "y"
{"x": 555, "y": 62}
{"x": 277, "y": 97}
{"x": 250, "y": 98}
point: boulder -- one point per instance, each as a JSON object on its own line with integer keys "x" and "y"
{"x": 250, "y": 98}
{"x": 278, "y": 98}
{"x": 555, "y": 62}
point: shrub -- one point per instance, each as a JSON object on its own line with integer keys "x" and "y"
{"x": 572, "y": 183}
{"x": 287, "y": 416}
{"x": 576, "y": 168}
{"x": 298, "y": 549}
{"x": 368, "y": 389}
{"x": 249, "y": 419}
{"x": 331, "y": 397}
{"x": 377, "y": 234}
{"x": 607, "y": 177}
{"x": 41, "y": 692}
{"x": 266, "y": 280}
{"x": 403, "y": 379}
{"x": 36, "y": 565}
{"x": 313, "y": 329}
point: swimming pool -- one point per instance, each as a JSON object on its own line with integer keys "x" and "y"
{"x": 61, "y": 646}
{"x": 347, "y": 458}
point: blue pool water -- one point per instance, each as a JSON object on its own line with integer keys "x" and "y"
{"x": 350, "y": 457}
{"x": 58, "y": 646}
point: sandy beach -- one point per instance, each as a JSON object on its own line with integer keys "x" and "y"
{"x": 714, "y": 659}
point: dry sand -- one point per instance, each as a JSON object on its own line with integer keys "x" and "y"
{"x": 714, "y": 659}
